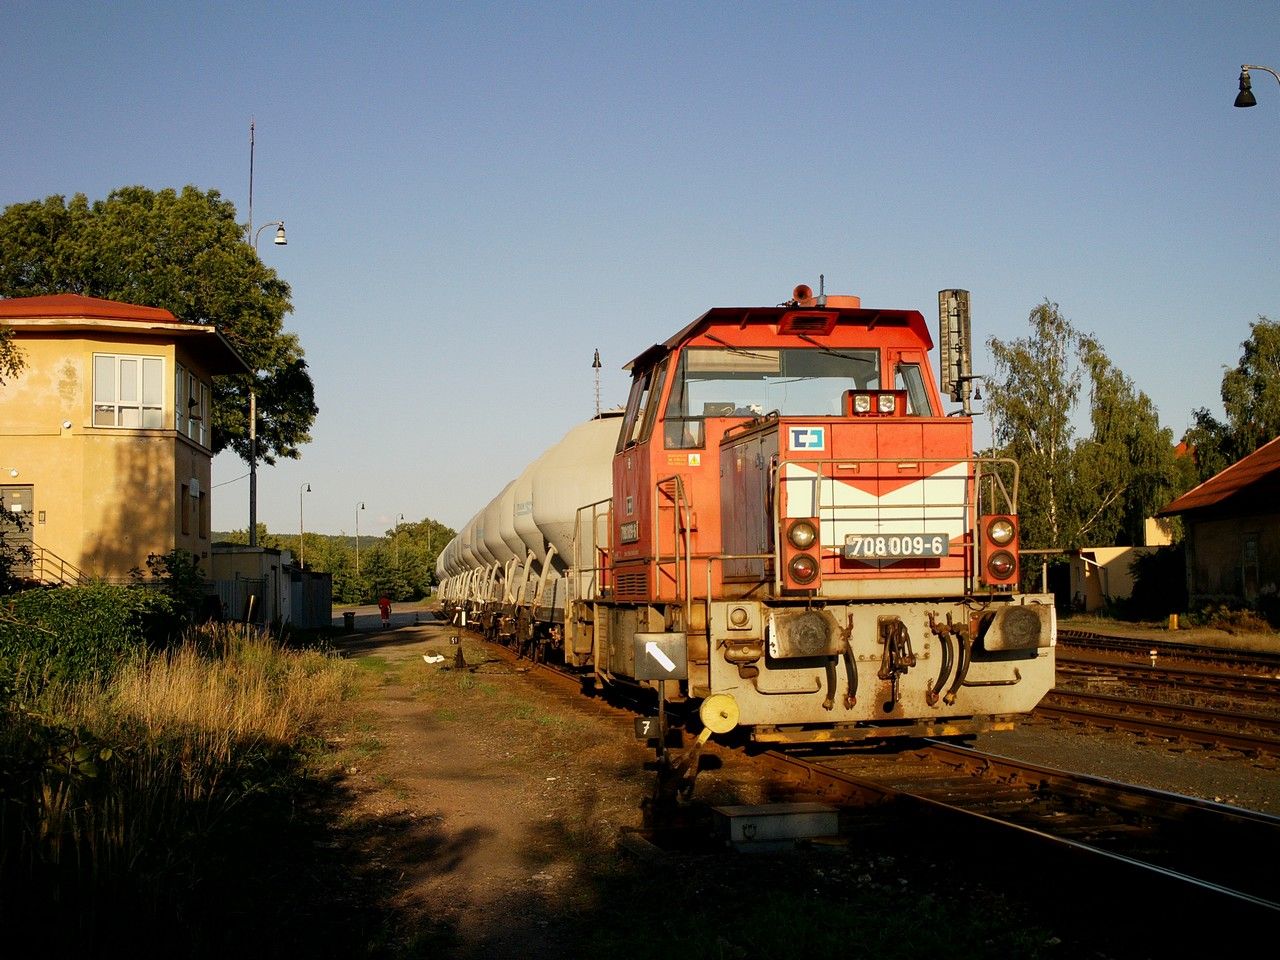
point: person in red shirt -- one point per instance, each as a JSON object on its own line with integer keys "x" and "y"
{"x": 384, "y": 607}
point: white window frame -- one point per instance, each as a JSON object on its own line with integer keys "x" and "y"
{"x": 191, "y": 420}
{"x": 112, "y": 408}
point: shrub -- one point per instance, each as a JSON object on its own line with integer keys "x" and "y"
{"x": 178, "y": 576}
{"x": 74, "y": 633}
{"x": 1230, "y": 619}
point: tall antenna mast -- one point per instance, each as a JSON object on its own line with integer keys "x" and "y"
{"x": 595, "y": 365}
{"x": 250, "y": 230}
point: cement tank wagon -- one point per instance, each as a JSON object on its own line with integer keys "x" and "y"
{"x": 509, "y": 592}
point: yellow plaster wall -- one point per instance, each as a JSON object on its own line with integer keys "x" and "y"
{"x": 109, "y": 495}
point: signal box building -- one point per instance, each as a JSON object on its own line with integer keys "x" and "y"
{"x": 105, "y": 434}
{"x": 1232, "y": 523}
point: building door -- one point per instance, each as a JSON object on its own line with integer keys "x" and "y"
{"x": 1249, "y": 567}
{"x": 16, "y": 529}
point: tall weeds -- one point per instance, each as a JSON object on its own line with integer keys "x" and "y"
{"x": 129, "y": 795}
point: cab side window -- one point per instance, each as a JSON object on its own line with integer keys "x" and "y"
{"x": 909, "y": 377}
{"x": 642, "y": 406}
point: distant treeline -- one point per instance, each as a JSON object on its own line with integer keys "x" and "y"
{"x": 400, "y": 563}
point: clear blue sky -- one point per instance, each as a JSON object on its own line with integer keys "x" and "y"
{"x": 478, "y": 195}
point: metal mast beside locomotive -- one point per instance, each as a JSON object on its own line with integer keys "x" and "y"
{"x": 787, "y": 526}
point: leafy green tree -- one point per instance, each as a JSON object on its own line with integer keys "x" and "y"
{"x": 185, "y": 252}
{"x": 1125, "y": 470}
{"x": 1031, "y": 399}
{"x": 401, "y": 563}
{"x": 1095, "y": 489}
{"x": 1251, "y": 401}
{"x": 265, "y": 539}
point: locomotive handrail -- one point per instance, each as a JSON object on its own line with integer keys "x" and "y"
{"x": 595, "y": 582}
{"x": 680, "y": 522}
{"x": 722, "y": 557}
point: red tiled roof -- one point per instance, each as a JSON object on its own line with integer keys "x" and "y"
{"x": 71, "y": 311}
{"x": 75, "y": 305}
{"x": 1259, "y": 465}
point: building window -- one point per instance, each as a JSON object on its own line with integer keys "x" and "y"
{"x": 191, "y": 406}
{"x": 128, "y": 391}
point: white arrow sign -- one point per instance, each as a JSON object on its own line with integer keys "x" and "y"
{"x": 653, "y": 650}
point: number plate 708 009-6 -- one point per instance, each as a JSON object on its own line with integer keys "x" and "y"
{"x": 895, "y": 546}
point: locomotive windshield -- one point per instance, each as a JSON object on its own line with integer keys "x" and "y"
{"x": 751, "y": 381}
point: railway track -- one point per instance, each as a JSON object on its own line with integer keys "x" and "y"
{"x": 1233, "y": 706}
{"x": 1252, "y": 733}
{"x": 1141, "y": 649}
{"x": 1077, "y": 665}
{"x": 1120, "y": 851}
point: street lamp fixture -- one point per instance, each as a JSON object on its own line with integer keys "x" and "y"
{"x": 280, "y": 240}
{"x": 302, "y": 543}
{"x": 1245, "y": 97}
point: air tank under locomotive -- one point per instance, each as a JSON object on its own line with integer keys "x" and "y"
{"x": 787, "y": 517}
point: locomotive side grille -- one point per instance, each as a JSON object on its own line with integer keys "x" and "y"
{"x": 631, "y": 584}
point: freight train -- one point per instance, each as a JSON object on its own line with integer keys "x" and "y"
{"x": 784, "y": 527}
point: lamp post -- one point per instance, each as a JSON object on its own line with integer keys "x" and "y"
{"x": 302, "y": 543}
{"x": 280, "y": 241}
{"x": 359, "y": 507}
{"x": 395, "y": 538}
{"x": 1245, "y": 97}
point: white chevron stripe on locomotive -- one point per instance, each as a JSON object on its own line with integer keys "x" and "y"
{"x": 936, "y": 504}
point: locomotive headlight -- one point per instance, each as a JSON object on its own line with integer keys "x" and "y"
{"x": 885, "y": 402}
{"x": 803, "y": 568}
{"x": 1000, "y": 532}
{"x": 802, "y": 534}
{"x": 862, "y": 403}
{"x": 1001, "y": 565}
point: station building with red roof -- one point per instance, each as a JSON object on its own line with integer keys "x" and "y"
{"x": 105, "y": 434}
{"x": 1232, "y": 524}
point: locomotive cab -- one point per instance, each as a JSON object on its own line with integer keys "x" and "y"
{"x": 790, "y": 496}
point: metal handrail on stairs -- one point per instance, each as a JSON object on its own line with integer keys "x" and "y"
{"x": 49, "y": 568}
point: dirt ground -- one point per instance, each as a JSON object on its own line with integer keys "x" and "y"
{"x": 484, "y": 807}
{"x": 477, "y": 798}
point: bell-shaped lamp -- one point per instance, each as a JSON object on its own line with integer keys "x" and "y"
{"x": 1245, "y": 97}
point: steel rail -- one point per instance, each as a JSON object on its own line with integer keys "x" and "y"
{"x": 1161, "y": 719}
{"x": 1171, "y": 648}
{"x": 1194, "y": 678}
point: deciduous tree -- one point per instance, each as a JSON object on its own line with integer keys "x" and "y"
{"x": 1030, "y": 400}
{"x": 1097, "y": 489}
{"x": 1251, "y": 401}
{"x": 1125, "y": 469}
